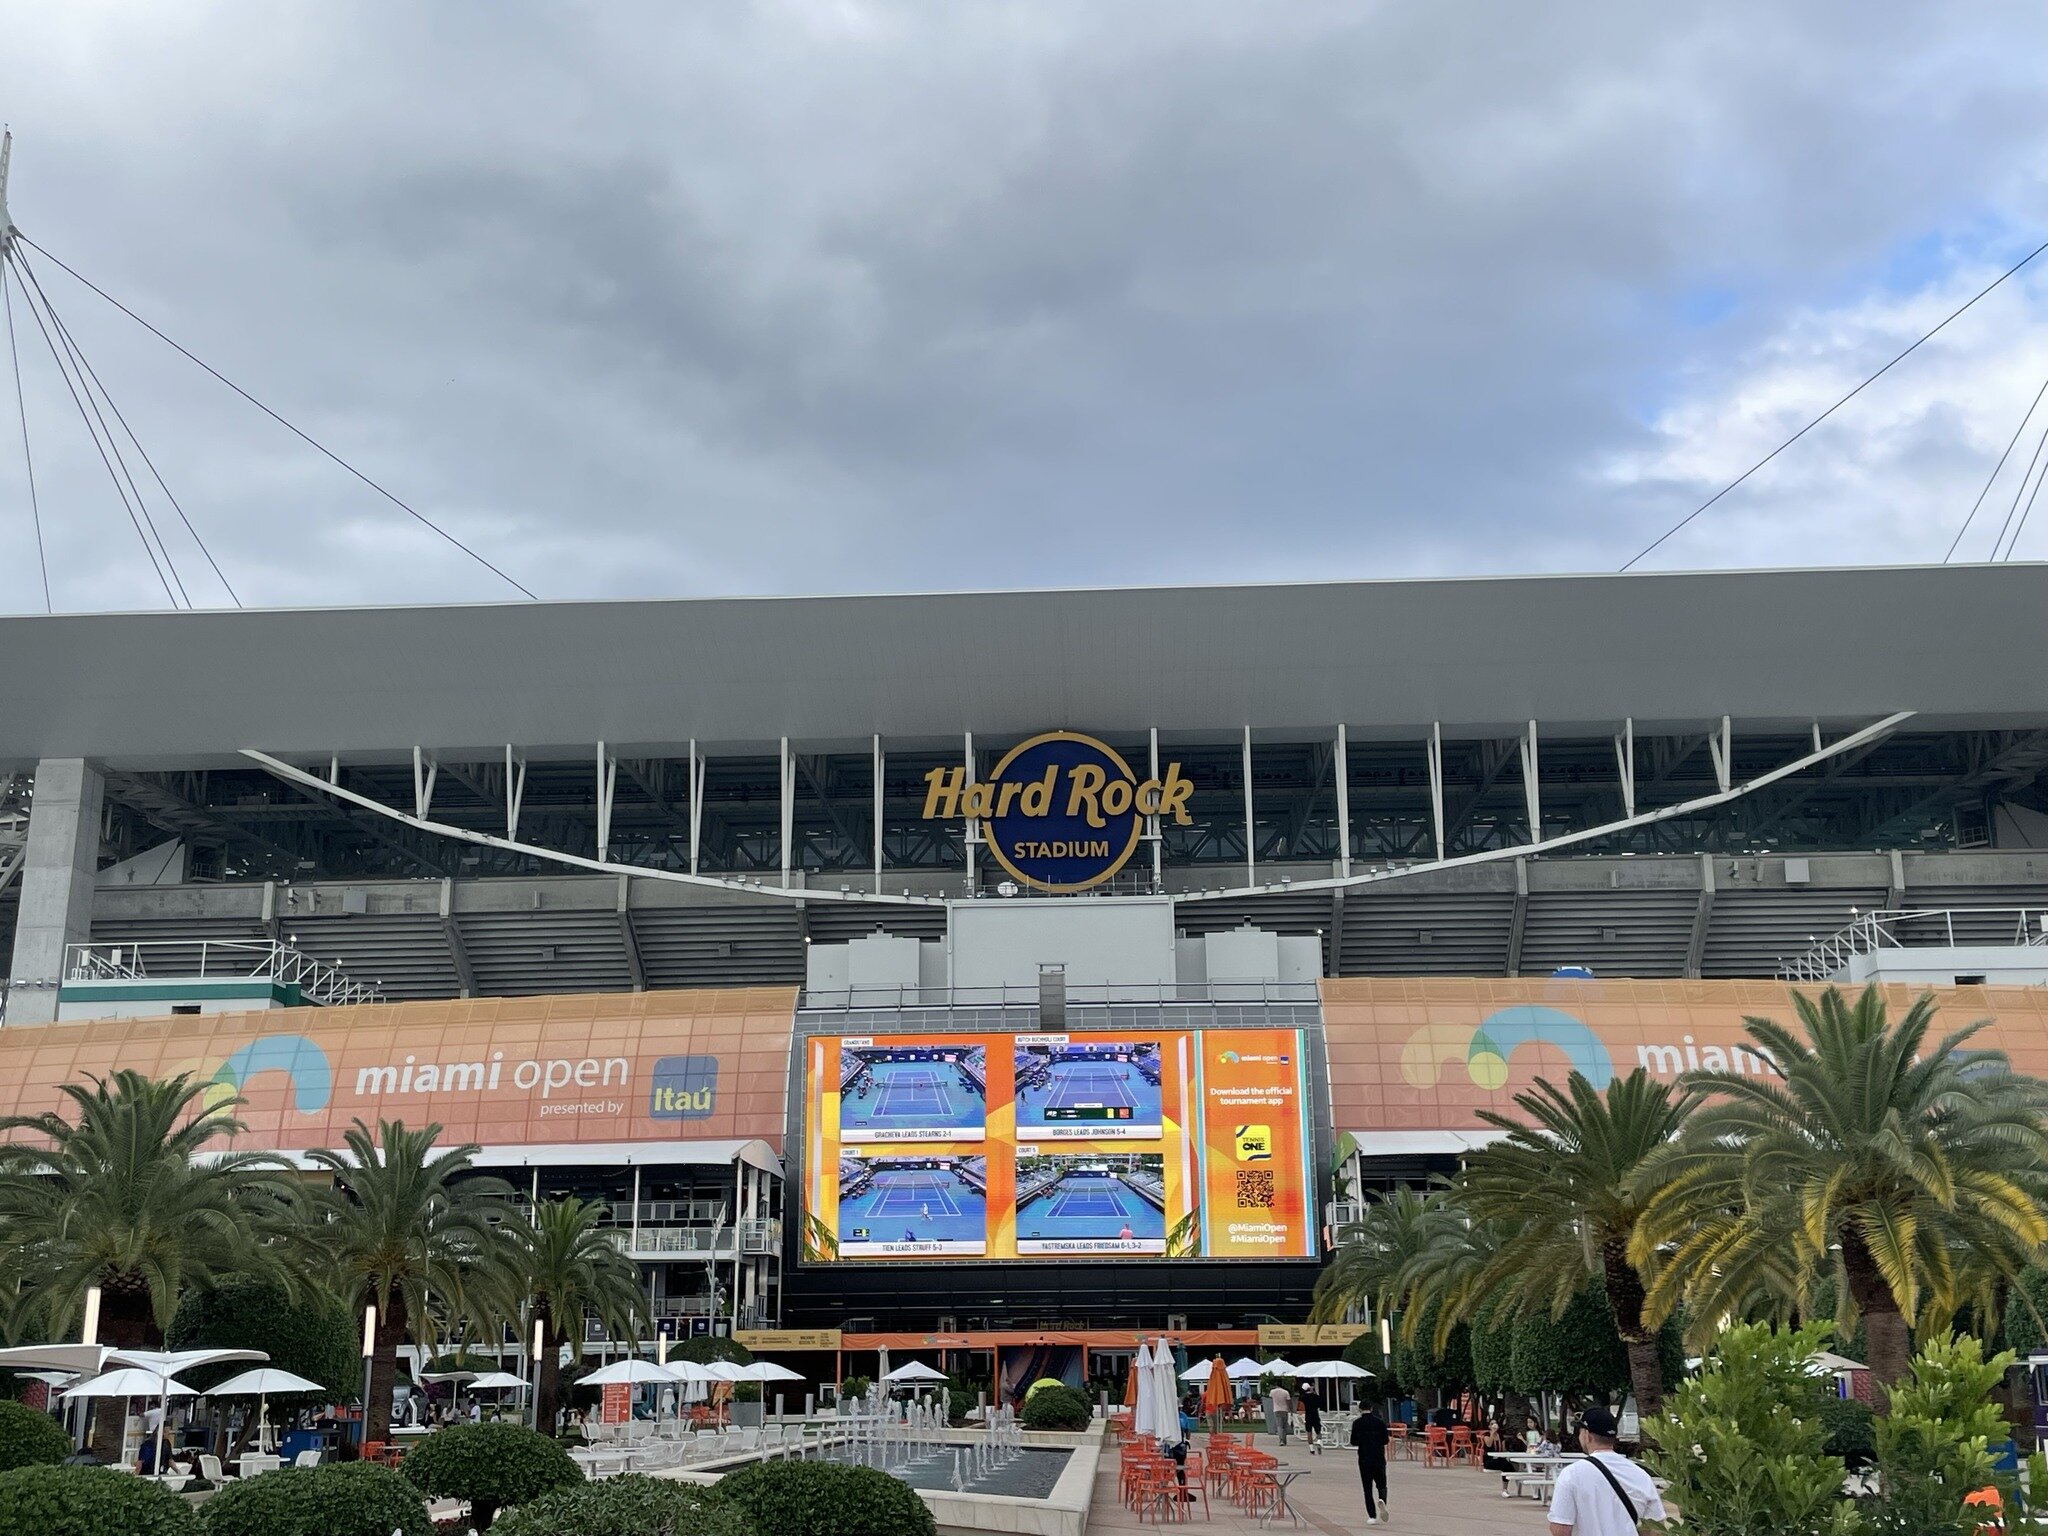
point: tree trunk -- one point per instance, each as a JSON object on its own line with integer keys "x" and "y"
{"x": 1887, "y": 1335}
{"x": 1625, "y": 1298}
{"x": 126, "y": 1322}
{"x": 547, "y": 1399}
{"x": 392, "y": 1324}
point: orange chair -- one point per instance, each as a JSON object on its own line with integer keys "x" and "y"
{"x": 1197, "y": 1484}
{"x": 1463, "y": 1446}
{"x": 1993, "y": 1505}
{"x": 1436, "y": 1447}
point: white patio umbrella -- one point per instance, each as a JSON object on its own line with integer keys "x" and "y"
{"x": 1244, "y": 1368}
{"x": 1278, "y": 1368}
{"x": 131, "y": 1381}
{"x": 914, "y": 1370}
{"x": 259, "y": 1384}
{"x": 1332, "y": 1370}
{"x": 630, "y": 1373}
{"x": 768, "y": 1370}
{"x": 1198, "y": 1372}
{"x": 497, "y": 1381}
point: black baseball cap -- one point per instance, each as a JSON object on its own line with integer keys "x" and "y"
{"x": 1600, "y": 1421}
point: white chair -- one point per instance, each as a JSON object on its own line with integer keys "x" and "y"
{"x": 306, "y": 1459}
{"x": 211, "y": 1469}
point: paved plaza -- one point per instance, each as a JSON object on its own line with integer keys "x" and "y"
{"x": 1425, "y": 1501}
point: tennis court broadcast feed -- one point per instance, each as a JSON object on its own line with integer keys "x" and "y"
{"x": 1146, "y": 1144}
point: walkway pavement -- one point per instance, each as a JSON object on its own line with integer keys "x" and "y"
{"x": 1423, "y": 1501}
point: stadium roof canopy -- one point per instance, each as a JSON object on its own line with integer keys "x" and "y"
{"x": 1962, "y": 647}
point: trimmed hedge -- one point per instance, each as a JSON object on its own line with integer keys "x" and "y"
{"x": 29, "y": 1438}
{"x": 1055, "y": 1407}
{"x": 90, "y": 1501}
{"x": 821, "y": 1498}
{"x": 627, "y": 1506}
{"x": 350, "y": 1498}
{"x": 490, "y": 1465}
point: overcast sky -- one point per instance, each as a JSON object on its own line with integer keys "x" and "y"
{"x": 664, "y": 299}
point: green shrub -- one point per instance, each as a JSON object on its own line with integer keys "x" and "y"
{"x": 490, "y": 1465}
{"x": 855, "y": 1386}
{"x": 1851, "y": 1429}
{"x": 351, "y": 1498}
{"x": 819, "y": 1498}
{"x": 1055, "y": 1407}
{"x": 626, "y": 1506}
{"x": 29, "y": 1438}
{"x": 1932, "y": 1448}
{"x": 89, "y": 1501}
{"x": 1742, "y": 1446}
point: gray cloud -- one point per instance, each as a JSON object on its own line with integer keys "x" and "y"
{"x": 796, "y": 297}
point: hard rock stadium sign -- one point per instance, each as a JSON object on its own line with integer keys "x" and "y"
{"x": 1060, "y": 812}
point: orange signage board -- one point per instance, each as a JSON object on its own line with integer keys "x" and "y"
{"x": 1426, "y": 1054}
{"x": 705, "y": 1065}
{"x": 616, "y": 1406}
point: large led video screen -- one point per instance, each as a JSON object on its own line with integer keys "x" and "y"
{"x": 1178, "y": 1144}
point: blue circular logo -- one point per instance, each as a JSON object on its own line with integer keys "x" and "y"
{"x": 1067, "y": 811}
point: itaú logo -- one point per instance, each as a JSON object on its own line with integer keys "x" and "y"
{"x": 1060, "y": 812}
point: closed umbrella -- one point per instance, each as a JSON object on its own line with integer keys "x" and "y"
{"x": 1145, "y": 1412}
{"x": 1216, "y": 1395}
{"x": 1131, "y": 1385}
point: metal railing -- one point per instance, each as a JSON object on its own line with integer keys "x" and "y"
{"x": 1924, "y": 928}
{"x": 846, "y": 999}
{"x": 218, "y": 959}
{"x": 751, "y": 1236}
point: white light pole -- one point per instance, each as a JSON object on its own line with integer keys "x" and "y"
{"x": 369, "y": 1366}
{"x": 539, "y": 1338}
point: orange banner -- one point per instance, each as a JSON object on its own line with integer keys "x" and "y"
{"x": 1255, "y": 1151}
{"x": 607, "y": 1067}
{"x": 1425, "y": 1054}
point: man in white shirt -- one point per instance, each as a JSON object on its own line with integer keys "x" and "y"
{"x": 1606, "y": 1494}
{"x": 1279, "y": 1404}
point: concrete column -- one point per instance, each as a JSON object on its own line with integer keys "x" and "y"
{"x": 57, "y": 883}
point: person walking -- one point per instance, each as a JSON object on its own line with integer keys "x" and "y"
{"x": 1369, "y": 1439}
{"x": 1606, "y": 1494}
{"x": 1312, "y": 1420}
{"x": 1280, "y": 1403}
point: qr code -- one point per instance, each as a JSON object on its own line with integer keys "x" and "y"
{"x": 1255, "y": 1189}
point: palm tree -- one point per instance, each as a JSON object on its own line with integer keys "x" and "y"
{"x": 402, "y": 1223}
{"x": 134, "y": 1196}
{"x": 117, "y": 1200}
{"x": 562, "y": 1267}
{"x": 1865, "y": 1153}
{"x": 1567, "y": 1191}
{"x": 1380, "y": 1260}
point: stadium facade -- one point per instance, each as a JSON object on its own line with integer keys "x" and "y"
{"x": 971, "y": 967}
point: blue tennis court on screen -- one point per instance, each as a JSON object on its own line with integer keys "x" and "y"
{"x": 1087, "y": 1088}
{"x": 923, "y": 1092}
{"x": 1091, "y": 1203}
{"x": 905, "y": 1206}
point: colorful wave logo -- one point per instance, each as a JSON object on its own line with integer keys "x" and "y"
{"x": 1487, "y": 1050}
{"x": 299, "y": 1059}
